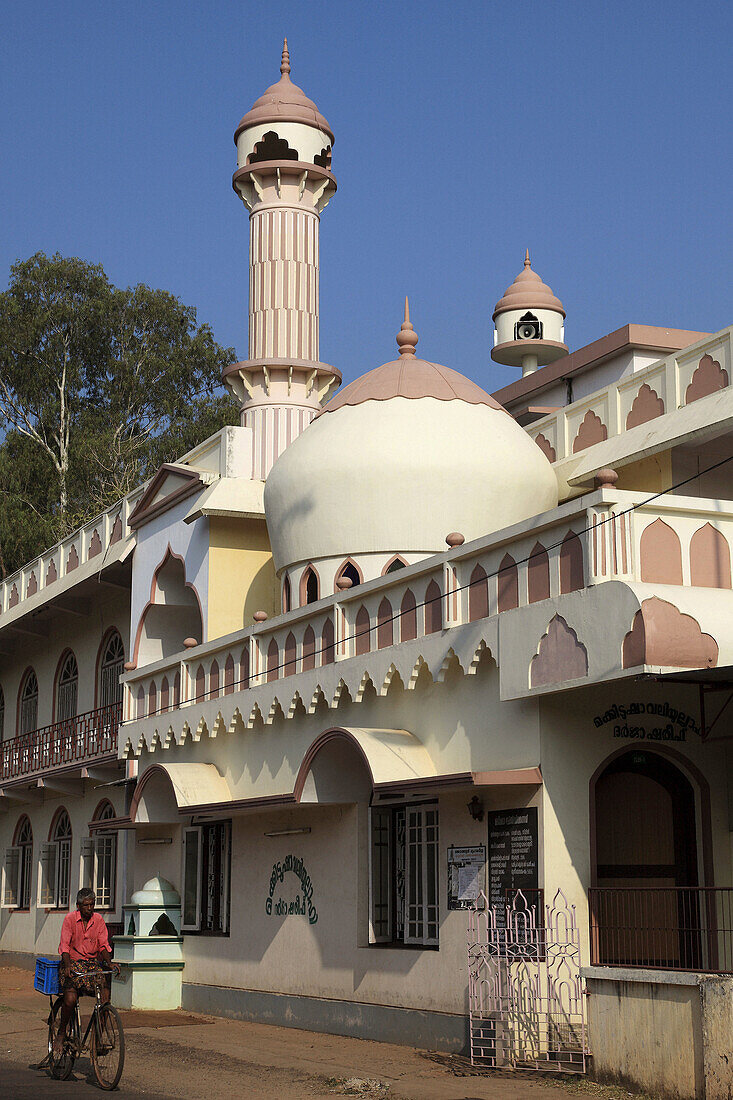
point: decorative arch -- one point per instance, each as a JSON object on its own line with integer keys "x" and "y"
{"x": 328, "y": 647}
{"x": 546, "y": 447}
{"x": 153, "y": 697}
{"x": 309, "y": 649}
{"x": 663, "y": 635}
{"x": 200, "y": 685}
{"x": 229, "y": 675}
{"x": 395, "y": 563}
{"x": 661, "y": 554}
{"x": 508, "y": 584}
{"x": 385, "y": 624}
{"x": 350, "y": 569}
{"x": 59, "y": 826}
{"x": 290, "y": 651}
{"x": 273, "y": 661}
{"x": 478, "y": 594}
{"x": 214, "y": 680}
{"x": 433, "y": 608}
{"x": 163, "y": 624}
{"x": 709, "y": 558}
{"x": 362, "y": 631}
{"x": 271, "y": 147}
{"x": 538, "y": 574}
{"x": 709, "y": 377}
{"x": 165, "y": 695}
{"x": 23, "y": 840}
{"x": 244, "y": 668}
{"x": 646, "y": 406}
{"x": 572, "y": 570}
{"x": 560, "y": 655}
{"x": 109, "y": 666}
{"x": 310, "y": 586}
{"x": 408, "y": 617}
{"x": 592, "y": 430}
{"x": 140, "y": 702}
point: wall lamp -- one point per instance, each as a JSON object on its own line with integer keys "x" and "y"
{"x": 476, "y": 808}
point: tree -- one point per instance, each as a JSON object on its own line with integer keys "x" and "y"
{"x": 97, "y": 385}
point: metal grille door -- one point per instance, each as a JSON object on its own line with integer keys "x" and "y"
{"x": 526, "y": 998}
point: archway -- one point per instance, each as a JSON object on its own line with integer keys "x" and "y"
{"x": 645, "y": 901}
{"x": 172, "y": 613}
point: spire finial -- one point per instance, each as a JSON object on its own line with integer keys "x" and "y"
{"x": 527, "y": 261}
{"x": 407, "y": 337}
{"x": 285, "y": 59}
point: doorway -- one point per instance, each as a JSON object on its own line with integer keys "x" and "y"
{"x": 645, "y": 902}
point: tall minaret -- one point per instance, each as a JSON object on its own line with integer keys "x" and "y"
{"x": 284, "y": 179}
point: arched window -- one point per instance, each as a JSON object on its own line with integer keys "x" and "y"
{"x": 327, "y": 643}
{"x": 571, "y": 563}
{"x": 309, "y": 649}
{"x": 2, "y": 713}
{"x": 99, "y": 859}
{"x": 287, "y": 596}
{"x": 289, "y": 668}
{"x": 538, "y": 574}
{"x": 229, "y": 675}
{"x": 111, "y": 666}
{"x": 56, "y": 863}
{"x": 244, "y": 669}
{"x": 273, "y": 660}
{"x": 433, "y": 609}
{"x": 408, "y": 617}
{"x": 478, "y": 595}
{"x": 309, "y": 587}
{"x": 19, "y": 867}
{"x": 362, "y": 630}
{"x": 349, "y": 569}
{"x": 28, "y": 703}
{"x": 395, "y": 564}
{"x": 508, "y": 584}
{"x": 385, "y": 634}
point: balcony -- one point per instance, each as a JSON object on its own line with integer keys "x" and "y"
{"x": 67, "y": 746}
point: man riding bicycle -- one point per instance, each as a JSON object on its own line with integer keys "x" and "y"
{"x": 84, "y": 944}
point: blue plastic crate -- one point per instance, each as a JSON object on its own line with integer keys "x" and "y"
{"x": 47, "y": 978}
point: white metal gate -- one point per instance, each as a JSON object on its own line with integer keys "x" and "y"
{"x": 526, "y": 997}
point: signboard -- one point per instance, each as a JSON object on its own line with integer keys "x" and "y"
{"x": 513, "y": 856}
{"x": 466, "y": 875}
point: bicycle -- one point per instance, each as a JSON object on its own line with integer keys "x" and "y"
{"x": 103, "y": 1038}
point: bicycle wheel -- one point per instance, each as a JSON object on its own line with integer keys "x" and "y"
{"x": 61, "y": 1068}
{"x": 108, "y": 1047}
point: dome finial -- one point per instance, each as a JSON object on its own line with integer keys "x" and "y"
{"x": 285, "y": 59}
{"x": 407, "y": 337}
{"x": 527, "y": 261}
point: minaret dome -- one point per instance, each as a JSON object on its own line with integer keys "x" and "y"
{"x": 529, "y": 329}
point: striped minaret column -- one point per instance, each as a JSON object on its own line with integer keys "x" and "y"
{"x": 284, "y": 179}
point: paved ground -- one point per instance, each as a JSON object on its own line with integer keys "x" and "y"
{"x": 176, "y": 1056}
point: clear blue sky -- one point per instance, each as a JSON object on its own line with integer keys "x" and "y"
{"x": 596, "y": 133}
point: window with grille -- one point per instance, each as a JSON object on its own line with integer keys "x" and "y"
{"x": 404, "y": 874}
{"x": 29, "y": 703}
{"x": 18, "y": 868}
{"x": 67, "y": 688}
{"x": 110, "y": 670}
{"x": 206, "y": 871}
{"x": 56, "y": 865}
{"x": 99, "y": 861}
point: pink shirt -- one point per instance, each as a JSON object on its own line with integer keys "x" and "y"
{"x": 81, "y": 942}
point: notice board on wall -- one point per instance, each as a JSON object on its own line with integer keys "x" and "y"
{"x": 513, "y": 856}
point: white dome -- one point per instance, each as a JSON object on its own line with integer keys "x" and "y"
{"x": 389, "y": 467}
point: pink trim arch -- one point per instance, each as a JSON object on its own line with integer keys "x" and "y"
{"x": 169, "y": 555}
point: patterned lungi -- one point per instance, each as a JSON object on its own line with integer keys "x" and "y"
{"x": 81, "y": 980}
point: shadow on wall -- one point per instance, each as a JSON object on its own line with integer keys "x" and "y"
{"x": 172, "y": 614}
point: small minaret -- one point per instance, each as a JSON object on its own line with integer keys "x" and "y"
{"x": 284, "y": 179}
{"x": 529, "y": 324}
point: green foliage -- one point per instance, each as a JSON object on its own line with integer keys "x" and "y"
{"x": 98, "y": 386}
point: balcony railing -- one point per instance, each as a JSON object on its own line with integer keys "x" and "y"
{"x": 80, "y": 740}
{"x": 662, "y": 928}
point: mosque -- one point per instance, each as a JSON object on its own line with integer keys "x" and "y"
{"x": 321, "y": 722}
